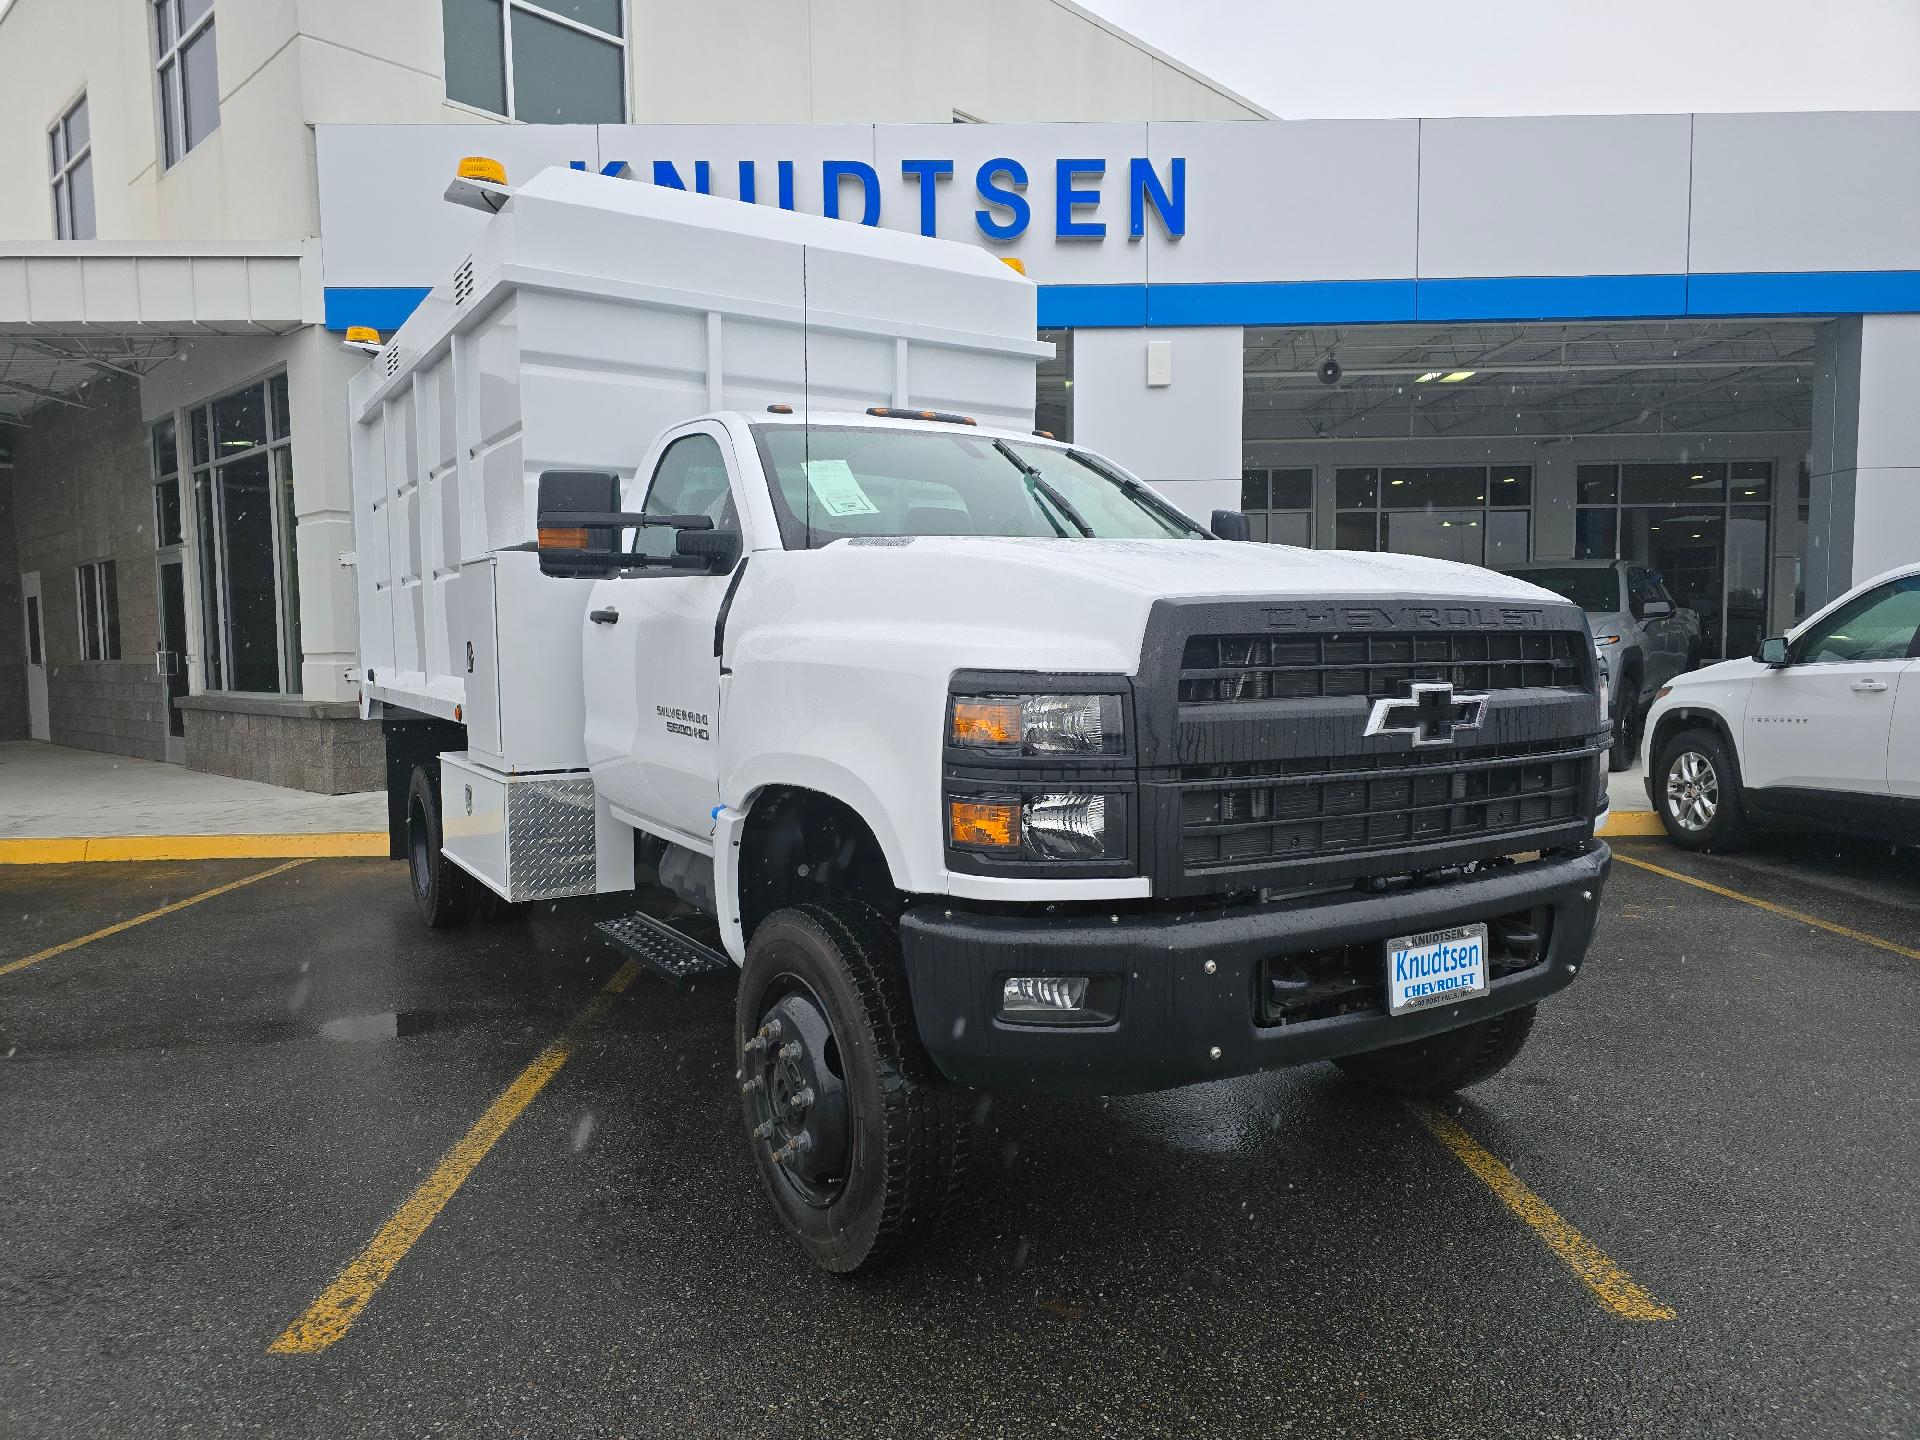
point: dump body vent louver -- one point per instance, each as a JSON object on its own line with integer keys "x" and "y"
{"x": 463, "y": 282}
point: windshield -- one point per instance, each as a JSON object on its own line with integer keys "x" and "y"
{"x": 834, "y": 481}
{"x": 1594, "y": 590}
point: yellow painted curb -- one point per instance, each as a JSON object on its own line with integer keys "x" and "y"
{"x": 1632, "y": 822}
{"x": 73, "y": 850}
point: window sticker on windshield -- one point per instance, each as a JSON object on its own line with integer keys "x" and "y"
{"x": 833, "y": 484}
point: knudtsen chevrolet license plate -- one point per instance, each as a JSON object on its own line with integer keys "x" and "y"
{"x": 1436, "y": 967}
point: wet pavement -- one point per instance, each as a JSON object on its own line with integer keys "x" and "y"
{"x": 206, "y": 1115}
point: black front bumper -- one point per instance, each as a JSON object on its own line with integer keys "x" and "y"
{"x": 1173, "y": 1015}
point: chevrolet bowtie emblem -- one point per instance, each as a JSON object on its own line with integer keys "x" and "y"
{"x": 1430, "y": 712}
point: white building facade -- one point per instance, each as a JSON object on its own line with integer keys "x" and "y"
{"x": 1679, "y": 339}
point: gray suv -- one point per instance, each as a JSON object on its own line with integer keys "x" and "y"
{"x": 1646, "y": 638}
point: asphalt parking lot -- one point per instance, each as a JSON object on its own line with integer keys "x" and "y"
{"x": 209, "y": 1114}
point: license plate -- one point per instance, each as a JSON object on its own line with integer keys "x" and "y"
{"x": 1436, "y": 967}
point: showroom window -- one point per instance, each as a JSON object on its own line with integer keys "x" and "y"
{"x": 1704, "y": 528}
{"x": 98, "y": 593}
{"x": 1477, "y": 513}
{"x": 188, "y": 75}
{"x": 558, "y": 62}
{"x": 1053, "y": 387}
{"x": 166, "y": 485}
{"x": 70, "y": 164}
{"x": 244, "y": 527}
{"x": 1279, "y": 505}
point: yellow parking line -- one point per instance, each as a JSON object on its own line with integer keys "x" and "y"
{"x": 1772, "y": 909}
{"x": 1611, "y": 1286}
{"x": 339, "y": 1305}
{"x": 34, "y": 959}
{"x": 72, "y": 850}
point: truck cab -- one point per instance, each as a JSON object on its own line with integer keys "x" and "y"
{"x": 970, "y": 760}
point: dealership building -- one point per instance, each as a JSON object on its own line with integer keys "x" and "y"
{"x": 1682, "y": 339}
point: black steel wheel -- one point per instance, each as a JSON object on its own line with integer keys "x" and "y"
{"x": 858, "y": 1141}
{"x": 443, "y": 893}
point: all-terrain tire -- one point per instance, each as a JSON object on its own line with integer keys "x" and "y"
{"x": 908, "y": 1142}
{"x": 1440, "y": 1064}
{"x": 1696, "y": 758}
{"x": 444, "y": 894}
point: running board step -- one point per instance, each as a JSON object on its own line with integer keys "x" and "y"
{"x": 661, "y": 948}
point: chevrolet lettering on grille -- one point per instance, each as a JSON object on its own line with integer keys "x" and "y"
{"x": 1430, "y": 712}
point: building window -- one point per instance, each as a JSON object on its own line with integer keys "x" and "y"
{"x": 1702, "y": 527}
{"x": 1053, "y": 387}
{"x": 1279, "y": 505}
{"x": 553, "y": 63}
{"x": 98, "y": 590}
{"x": 70, "y": 163}
{"x": 188, "y": 75}
{"x": 1477, "y": 513}
{"x": 244, "y": 527}
{"x": 166, "y": 485}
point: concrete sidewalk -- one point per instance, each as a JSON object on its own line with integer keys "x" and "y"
{"x": 48, "y": 791}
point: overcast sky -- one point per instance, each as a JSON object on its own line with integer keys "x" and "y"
{"x": 1333, "y": 59}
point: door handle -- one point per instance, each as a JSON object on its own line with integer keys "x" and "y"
{"x": 1873, "y": 687}
{"x": 608, "y": 616}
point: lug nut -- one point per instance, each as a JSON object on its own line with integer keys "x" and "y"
{"x": 802, "y": 1098}
{"x": 755, "y": 1045}
{"x": 763, "y": 1131}
{"x": 790, "y": 1050}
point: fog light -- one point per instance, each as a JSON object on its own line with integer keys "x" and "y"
{"x": 1053, "y": 996}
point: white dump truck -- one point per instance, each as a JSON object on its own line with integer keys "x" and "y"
{"x": 707, "y": 554}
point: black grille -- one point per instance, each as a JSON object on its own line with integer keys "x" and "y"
{"x": 1224, "y": 669}
{"x": 1364, "y": 803}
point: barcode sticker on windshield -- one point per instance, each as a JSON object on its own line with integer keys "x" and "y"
{"x": 839, "y": 493}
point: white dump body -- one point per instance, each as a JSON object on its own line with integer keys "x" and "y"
{"x": 594, "y": 314}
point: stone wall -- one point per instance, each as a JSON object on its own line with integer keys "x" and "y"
{"x": 82, "y": 490}
{"x": 310, "y": 745}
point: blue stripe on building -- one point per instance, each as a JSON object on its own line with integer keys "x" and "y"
{"x": 1375, "y": 302}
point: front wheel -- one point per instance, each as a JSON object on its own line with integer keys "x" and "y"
{"x": 859, "y": 1143}
{"x": 1697, "y": 793}
{"x": 1440, "y": 1064}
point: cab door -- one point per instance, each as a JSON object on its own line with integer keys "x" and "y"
{"x": 652, "y": 678}
{"x": 1818, "y": 731}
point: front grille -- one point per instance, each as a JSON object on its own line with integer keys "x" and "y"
{"x": 1224, "y": 669}
{"x": 1361, "y": 803}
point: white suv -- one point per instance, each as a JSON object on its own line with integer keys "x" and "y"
{"x": 1821, "y": 728}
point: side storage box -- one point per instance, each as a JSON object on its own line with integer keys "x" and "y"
{"x": 525, "y": 837}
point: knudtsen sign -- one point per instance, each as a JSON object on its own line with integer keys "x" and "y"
{"x": 1080, "y": 185}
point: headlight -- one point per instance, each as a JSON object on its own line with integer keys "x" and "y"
{"x": 1054, "y": 825}
{"x": 1038, "y": 724}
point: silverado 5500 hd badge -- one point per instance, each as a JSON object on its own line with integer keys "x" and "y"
{"x": 690, "y": 723}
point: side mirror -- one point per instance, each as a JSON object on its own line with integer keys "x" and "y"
{"x": 578, "y": 551}
{"x": 1231, "y": 525}
{"x": 719, "y": 549}
{"x": 1654, "y": 609}
{"x": 1773, "y": 653}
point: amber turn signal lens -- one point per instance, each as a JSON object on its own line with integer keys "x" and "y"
{"x": 563, "y": 538}
{"x": 986, "y": 722}
{"x": 992, "y": 825}
{"x": 482, "y": 167}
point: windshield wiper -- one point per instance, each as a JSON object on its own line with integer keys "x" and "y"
{"x": 1037, "y": 481}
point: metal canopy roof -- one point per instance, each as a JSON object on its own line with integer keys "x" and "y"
{"x": 1596, "y": 378}
{"x": 71, "y": 311}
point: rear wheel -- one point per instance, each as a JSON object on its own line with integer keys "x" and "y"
{"x": 1441, "y": 1064}
{"x": 1697, "y": 793}
{"x": 443, "y": 893}
{"x": 859, "y": 1143}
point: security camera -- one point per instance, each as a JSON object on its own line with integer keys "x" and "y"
{"x": 1329, "y": 371}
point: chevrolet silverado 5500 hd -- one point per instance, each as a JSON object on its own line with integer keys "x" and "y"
{"x": 707, "y": 553}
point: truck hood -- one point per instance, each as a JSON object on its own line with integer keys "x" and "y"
{"x": 1185, "y": 569}
{"x": 943, "y": 603}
